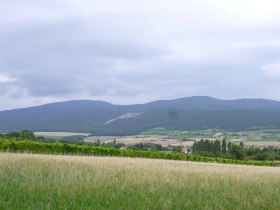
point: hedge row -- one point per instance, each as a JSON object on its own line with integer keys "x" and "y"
{"x": 63, "y": 148}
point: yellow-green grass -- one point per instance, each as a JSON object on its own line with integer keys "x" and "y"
{"x": 73, "y": 182}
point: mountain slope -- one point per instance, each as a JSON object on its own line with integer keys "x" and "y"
{"x": 185, "y": 113}
{"x": 191, "y": 120}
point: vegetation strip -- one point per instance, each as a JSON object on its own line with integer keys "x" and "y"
{"x": 63, "y": 148}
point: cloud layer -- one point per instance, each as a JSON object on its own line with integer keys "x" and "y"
{"x": 136, "y": 51}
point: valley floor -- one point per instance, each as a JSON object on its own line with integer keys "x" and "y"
{"x": 77, "y": 182}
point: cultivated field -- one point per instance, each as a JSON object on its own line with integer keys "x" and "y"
{"x": 262, "y": 143}
{"x": 260, "y": 138}
{"x": 128, "y": 140}
{"x": 72, "y": 182}
{"x": 257, "y": 138}
{"x": 165, "y": 140}
{"x": 60, "y": 134}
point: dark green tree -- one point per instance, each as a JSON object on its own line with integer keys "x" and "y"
{"x": 216, "y": 147}
{"x": 229, "y": 145}
{"x": 224, "y": 146}
{"x": 98, "y": 143}
{"x": 237, "y": 152}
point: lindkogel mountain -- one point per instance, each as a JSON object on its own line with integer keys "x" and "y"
{"x": 103, "y": 118}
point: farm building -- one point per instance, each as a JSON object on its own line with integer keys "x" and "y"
{"x": 185, "y": 150}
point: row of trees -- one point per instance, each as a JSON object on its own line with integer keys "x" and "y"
{"x": 20, "y": 135}
{"x": 204, "y": 146}
{"x": 218, "y": 149}
{"x": 222, "y": 149}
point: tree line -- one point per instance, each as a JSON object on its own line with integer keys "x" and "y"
{"x": 234, "y": 151}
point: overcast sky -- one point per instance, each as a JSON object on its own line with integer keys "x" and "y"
{"x": 135, "y": 51}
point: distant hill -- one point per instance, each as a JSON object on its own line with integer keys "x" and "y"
{"x": 103, "y": 118}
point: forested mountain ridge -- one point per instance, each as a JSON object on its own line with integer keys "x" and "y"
{"x": 103, "y": 118}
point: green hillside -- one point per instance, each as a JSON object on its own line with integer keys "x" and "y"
{"x": 102, "y": 118}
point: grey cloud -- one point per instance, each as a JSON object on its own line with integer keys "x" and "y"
{"x": 122, "y": 53}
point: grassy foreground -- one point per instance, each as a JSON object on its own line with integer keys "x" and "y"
{"x": 71, "y": 182}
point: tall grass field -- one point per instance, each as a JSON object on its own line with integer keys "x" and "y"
{"x": 29, "y": 181}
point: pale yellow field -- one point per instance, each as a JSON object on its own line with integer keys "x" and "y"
{"x": 60, "y": 134}
{"x": 105, "y": 139}
{"x": 163, "y": 140}
{"x": 262, "y": 143}
{"x": 156, "y": 139}
{"x": 71, "y": 182}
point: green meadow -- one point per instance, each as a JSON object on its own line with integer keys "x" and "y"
{"x": 29, "y": 181}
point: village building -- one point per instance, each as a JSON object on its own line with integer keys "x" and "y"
{"x": 185, "y": 150}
